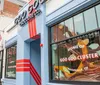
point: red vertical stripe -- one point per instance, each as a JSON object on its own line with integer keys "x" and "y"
{"x": 32, "y": 24}
{"x": 31, "y": 2}
{"x": 30, "y": 28}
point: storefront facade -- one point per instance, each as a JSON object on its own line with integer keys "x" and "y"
{"x": 54, "y": 44}
{"x": 73, "y": 41}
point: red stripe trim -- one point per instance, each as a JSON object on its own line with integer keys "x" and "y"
{"x": 22, "y": 65}
{"x": 22, "y": 69}
{"x": 29, "y": 28}
{"x": 28, "y": 68}
{"x": 31, "y": 2}
{"x": 36, "y": 37}
{"x": 35, "y": 77}
{"x": 22, "y": 60}
{"x": 30, "y": 21}
{"x": 34, "y": 74}
{"x": 34, "y": 27}
{"x": 33, "y": 69}
{"x": 32, "y": 24}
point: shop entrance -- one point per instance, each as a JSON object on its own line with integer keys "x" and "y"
{"x": 36, "y": 61}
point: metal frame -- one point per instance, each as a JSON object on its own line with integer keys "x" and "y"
{"x": 1, "y": 62}
{"x": 6, "y": 61}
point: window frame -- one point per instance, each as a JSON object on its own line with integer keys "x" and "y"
{"x": 1, "y": 60}
{"x": 50, "y": 46}
{"x": 6, "y": 61}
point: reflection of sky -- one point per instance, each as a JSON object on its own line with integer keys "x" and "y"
{"x": 78, "y": 19}
{"x": 98, "y": 13}
{"x": 95, "y": 46}
{"x": 90, "y": 19}
{"x": 69, "y": 24}
{"x": 79, "y": 24}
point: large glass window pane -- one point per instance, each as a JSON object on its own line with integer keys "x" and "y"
{"x": 54, "y": 34}
{"x": 79, "y": 59}
{"x": 55, "y": 58}
{"x": 61, "y": 31}
{"x": 98, "y": 13}
{"x": 69, "y": 30}
{"x": 79, "y": 24}
{"x": 90, "y": 19}
{"x": 11, "y": 62}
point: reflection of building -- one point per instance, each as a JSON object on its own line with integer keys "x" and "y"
{"x": 62, "y": 32}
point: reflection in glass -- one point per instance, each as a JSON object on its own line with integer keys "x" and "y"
{"x": 78, "y": 60}
{"x": 55, "y": 70}
{"x": 61, "y": 31}
{"x": 98, "y": 13}
{"x": 54, "y": 34}
{"x": 90, "y": 19}
{"x": 69, "y": 31}
{"x": 79, "y": 24}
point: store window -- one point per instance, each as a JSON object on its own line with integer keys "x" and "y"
{"x": 79, "y": 24}
{"x": 75, "y": 55}
{"x": 90, "y": 19}
{"x": 61, "y": 31}
{"x": 70, "y": 28}
{"x": 54, "y": 34}
{"x": 78, "y": 59}
{"x": 98, "y": 14}
{"x": 11, "y": 62}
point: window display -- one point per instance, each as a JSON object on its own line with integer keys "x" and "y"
{"x": 75, "y": 49}
{"x": 78, "y": 60}
{"x": 11, "y": 62}
{"x": 90, "y": 19}
{"x": 98, "y": 13}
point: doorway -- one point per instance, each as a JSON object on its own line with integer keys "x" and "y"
{"x": 35, "y": 58}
